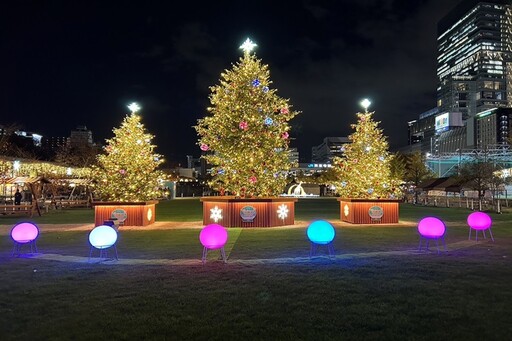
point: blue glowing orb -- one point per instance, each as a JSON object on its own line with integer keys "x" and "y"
{"x": 102, "y": 237}
{"x": 321, "y": 232}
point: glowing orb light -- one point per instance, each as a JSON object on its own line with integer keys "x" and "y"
{"x": 431, "y": 228}
{"x": 103, "y": 237}
{"x": 213, "y": 236}
{"x": 320, "y": 232}
{"x": 479, "y": 221}
{"x": 23, "y": 233}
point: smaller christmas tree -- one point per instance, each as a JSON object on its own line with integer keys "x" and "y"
{"x": 128, "y": 170}
{"x": 364, "y": 169}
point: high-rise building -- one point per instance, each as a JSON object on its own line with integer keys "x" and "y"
{"x": 474, "y": 62}
{"x": 328, "y": 149}
{"x": 80, "y": 137}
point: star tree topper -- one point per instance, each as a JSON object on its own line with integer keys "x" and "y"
{"x": 248, "y": 46}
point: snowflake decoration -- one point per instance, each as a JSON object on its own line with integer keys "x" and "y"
{"x": 282, "y": 211}
{"x": 215, "y": 214}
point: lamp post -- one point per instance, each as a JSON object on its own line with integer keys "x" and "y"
{"x": 460, "y": 156}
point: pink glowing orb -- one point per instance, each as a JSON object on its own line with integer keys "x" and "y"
{"x": 479, "y": 221}
{"x": 431, "y": 227}
{"x": 23, "y": 233}
{"x": 213, "y": 236}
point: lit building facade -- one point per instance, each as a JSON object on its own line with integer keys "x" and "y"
{"x": 328, "y": 149}
{"x": 81, "y": 136}
{"x": 493, "y": 128}
{"x": 474, "y": 62}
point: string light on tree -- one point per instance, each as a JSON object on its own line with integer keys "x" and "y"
{"x": 128, "y": 170}
{"x": 247, "y": 122}
{"x": 364, "y": 170}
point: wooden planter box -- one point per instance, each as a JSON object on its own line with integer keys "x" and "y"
{"x": 369, "y": 211}
{"x": 127, "y": 213}
{"x": 248, "y": 212}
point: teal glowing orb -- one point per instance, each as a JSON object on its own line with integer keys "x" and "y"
{"x": 321, "y": 232}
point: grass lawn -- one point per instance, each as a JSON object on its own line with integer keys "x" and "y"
{"x": 377, "y": 287}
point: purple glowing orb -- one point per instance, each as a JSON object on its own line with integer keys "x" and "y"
{"x": 213, "y": 236}
{"x": 23, "y": 233}
{"x": 431, "y": 227}
{"x": 479, "y": 221}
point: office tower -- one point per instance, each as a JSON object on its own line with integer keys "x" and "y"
{"x": 474, "y": 63}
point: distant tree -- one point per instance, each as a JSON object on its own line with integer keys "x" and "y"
{"x": 397, "y": 166}
{"x": 481, "y": 176}
{"x": 416, "y": 171}
{"x": 77, "y": 156}
{"x": 6, "y": 133}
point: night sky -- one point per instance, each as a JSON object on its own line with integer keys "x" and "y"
{"x": 70, "y": 63}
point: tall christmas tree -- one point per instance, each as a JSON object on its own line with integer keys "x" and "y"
{"x": 245, "y": 137}
{"x": 128, "y": 170}
{"x": 364, "y": 169}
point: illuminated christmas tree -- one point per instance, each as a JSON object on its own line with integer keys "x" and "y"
{"x": 364, "y": 169}
{"x": 128, "y": 169}
{"x": 245, "y": 137}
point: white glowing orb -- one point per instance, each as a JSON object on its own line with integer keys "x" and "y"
{"x": 282, "y": 211}
{"x": 215, "y": 214}
{"x": 103, "y": 237}
{"x": 248, "y": 46}
{"x": 134, "y": 107}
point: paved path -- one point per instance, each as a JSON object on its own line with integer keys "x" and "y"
{"x": 286, "y": 260}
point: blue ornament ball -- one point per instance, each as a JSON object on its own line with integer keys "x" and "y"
{"x": 269, "y": 121}
{"x": 265, "y": 89}
{"x": 370, "y": 190}
{"x": 256, "y": 83}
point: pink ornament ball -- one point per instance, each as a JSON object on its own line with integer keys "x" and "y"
{"x": 204, "y": 147}
{"x": 213, "y": 236}
{"x": 243, "y": 125}
{"x": 479, "y": 221}
{"x": 431, "y": 227}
